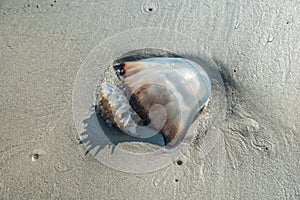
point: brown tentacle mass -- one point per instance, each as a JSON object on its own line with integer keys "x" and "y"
{"x": 136, "y": 103}
{"x": 170, "y": 133}
{"x": 149, "y": 94}
{"x": 103, "y": 108}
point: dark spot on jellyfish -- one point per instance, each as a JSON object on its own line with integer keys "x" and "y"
{"x": 150, "y": 9}
{"x": 179, "y": 162}
{"x": 120, "y": 70}
{"x": 176, "y": 180}
{"x": 35, "y": 157}
{"x": 146, "y": 122}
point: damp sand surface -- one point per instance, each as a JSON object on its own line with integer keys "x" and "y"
{"x": 256, "y": 47}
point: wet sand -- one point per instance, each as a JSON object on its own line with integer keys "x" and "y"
{"x": 256, "y": 48}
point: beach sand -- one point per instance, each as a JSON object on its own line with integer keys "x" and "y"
{"x": 255, "y": 45}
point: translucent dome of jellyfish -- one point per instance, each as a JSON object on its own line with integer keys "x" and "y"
{"x": 155, "y": 95}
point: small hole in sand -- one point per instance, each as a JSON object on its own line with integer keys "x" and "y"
{"x": 179, "y": 162}
{"x": 176, "y": 180}
{"x": 266, "y": 148}
{"x": 234, "y": 70}
{"x": 35, "y": 157}
{"x": 150, "y": 9}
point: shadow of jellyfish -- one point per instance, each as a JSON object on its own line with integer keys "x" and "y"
{"x": 99, "y": 135}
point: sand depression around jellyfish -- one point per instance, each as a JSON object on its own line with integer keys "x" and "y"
{"x": 139, "y": 103}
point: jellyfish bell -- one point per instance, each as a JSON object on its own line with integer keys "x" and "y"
{"x": 155, "y": 95}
